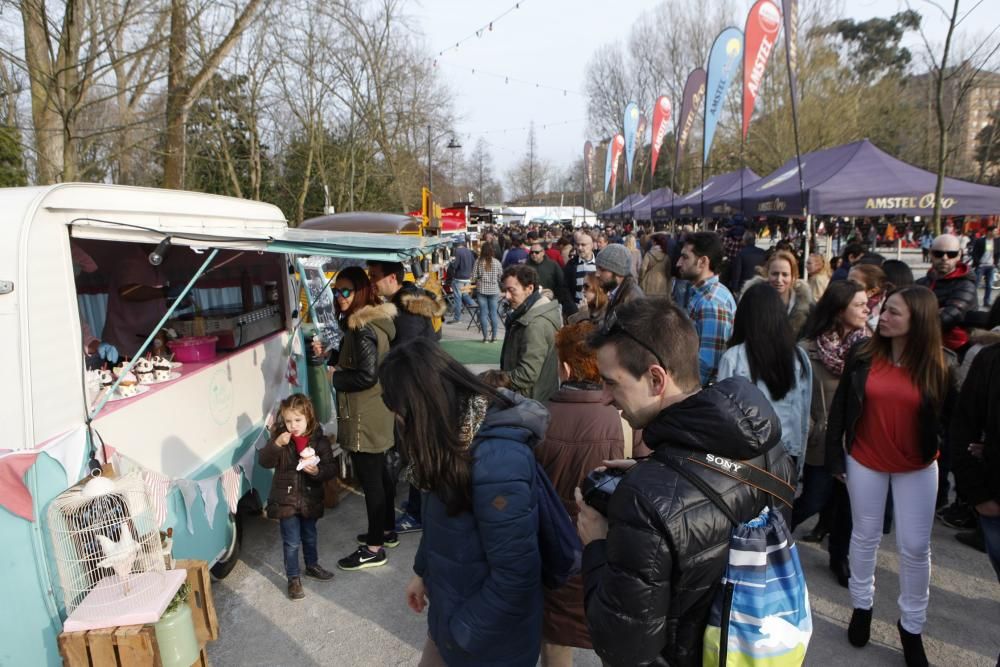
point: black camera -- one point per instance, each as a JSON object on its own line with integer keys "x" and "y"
{"x": 598, "y": 486}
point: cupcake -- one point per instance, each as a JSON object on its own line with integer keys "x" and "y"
{"x": 144, "y": 370}
{"x": 129, "y": 385}
{"x": 307, "y": 457}
{"x": 161, "y": 368}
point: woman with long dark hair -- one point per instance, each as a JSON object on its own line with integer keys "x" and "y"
{"x": 364, "y": 425}
{"x": 762, "y": 349}
{"x": 883, "y": 432}
{"x": 478, "y": 562}
{"x": 839, "y": 321}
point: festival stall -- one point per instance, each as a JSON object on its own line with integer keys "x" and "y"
{"x": 623, "y": 209}
{"x": 860, "y": 179}
{"x": 718, "y": 197}
{"x": 655, "y": 200}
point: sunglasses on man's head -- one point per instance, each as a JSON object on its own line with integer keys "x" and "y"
{"x": 951, "y": 254}
{"x": 613, "y": 326}
{"x": 537, "y": 252}
{"x": 343, "y": 292}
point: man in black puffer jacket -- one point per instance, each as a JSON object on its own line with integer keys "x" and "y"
{"x": 651, "y": 569}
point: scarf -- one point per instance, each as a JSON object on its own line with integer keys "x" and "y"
{"x": 833, "y": 349}
{"x": 523, "y": 308}
{"x": 301, "y": 442}
{"x": 472, "y": 418}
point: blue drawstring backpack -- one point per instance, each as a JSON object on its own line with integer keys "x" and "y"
{"x": 761, "y": 614}
{"x": 558, "y": 543}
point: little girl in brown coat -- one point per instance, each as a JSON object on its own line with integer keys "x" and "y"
{"x": 296, "y": 497}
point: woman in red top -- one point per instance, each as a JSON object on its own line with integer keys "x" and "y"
{"x": 883, "y": 429}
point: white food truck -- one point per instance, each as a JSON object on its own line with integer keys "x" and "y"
{"x": 232, "y": 264}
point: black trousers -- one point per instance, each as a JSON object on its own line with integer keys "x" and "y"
{"x": 380, "y": 494}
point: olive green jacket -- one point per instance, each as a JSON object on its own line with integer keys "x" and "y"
{"x": 529, "y": 353}
{"x": 364, "y": 424}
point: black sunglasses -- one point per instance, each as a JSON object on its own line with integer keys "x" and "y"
{"x": 343, "y": 292}
{"x": 951, "y": 254}
{"x": 613, "y": 326}
{"x": 537, "y": 252}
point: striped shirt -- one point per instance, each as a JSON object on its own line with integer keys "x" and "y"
{"x": 712, "y": 308}
{"x": 487, "y": 277}
{"x": 584, "y": 268}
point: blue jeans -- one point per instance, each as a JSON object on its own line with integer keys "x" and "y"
{"x": 817, "y": 493}
{"x": 295, "y": 530}
{"x": 458, "y": 297}
{"x": 488, "y": 312}
{"x": 986, "y": 272}
{"x": 991, "y": 534}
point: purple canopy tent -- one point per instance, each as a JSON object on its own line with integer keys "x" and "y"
{"x": 622, "y": 209}
{"x": 860, "y": 179}
{"x": 722, "y": 195}
{"x": 655, "y": 200}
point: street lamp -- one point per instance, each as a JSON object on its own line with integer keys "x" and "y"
{"x": 452, "y": 145}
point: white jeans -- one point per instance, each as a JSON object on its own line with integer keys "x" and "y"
{"x": 913, "y": 496}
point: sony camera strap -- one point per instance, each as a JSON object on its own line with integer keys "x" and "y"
{"x": 742, "y": 471}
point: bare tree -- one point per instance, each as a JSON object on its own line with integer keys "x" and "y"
{"x": 183, "y": 89}
{"x": 951, "y": 86}
{"x": 528, "y": 178}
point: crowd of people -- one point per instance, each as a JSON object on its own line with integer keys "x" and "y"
{"x": 640, "y": 352}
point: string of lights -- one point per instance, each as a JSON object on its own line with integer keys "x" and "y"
{"x": 482, "y": 30}
{"x": 508, "y": 79}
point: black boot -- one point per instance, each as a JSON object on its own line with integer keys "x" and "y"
{"x": 860, "y": 629}
{"x": 972, "y": 538}
{"x": 841, "y": 570}
{"x": 817, "y": 534}
{"x": 913, "y": 647}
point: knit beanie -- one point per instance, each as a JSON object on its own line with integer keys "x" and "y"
{"x": 615, "y": 258}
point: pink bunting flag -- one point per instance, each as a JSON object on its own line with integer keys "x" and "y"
{"x": 232, "y": 485}
{"x": 14, "y": 495}
{"x": 157, "y": 486}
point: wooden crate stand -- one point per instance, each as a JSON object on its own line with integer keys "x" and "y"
{"x": 135, "y": 645}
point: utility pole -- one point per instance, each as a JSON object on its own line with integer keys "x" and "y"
{"x": 481, "y": 177}
{"x": 430, "y": 178}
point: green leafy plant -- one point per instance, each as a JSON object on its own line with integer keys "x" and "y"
{"x": 180, "y": 598}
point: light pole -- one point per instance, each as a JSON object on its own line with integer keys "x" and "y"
{"x": 452, "y": 145}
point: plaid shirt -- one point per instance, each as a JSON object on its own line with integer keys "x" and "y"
{"x": 711, "y": 307}
{"x": 487, "y": 277}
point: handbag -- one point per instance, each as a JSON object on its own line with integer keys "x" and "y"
{"x": 761, "y": 613}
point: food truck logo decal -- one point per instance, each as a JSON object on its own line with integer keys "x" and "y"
{"x": 220, "y": 397}
{"x": 890, "y": 203}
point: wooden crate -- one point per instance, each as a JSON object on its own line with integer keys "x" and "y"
{"x": 206, "y": 623}
{"x": 135, "y": 645}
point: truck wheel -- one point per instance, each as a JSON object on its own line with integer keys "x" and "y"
{"x": 224, "y": 566}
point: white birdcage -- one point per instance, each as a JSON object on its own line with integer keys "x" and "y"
{"x": 108, "y": 553}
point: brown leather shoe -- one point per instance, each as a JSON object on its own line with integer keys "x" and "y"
{"x": 295, "y": 591}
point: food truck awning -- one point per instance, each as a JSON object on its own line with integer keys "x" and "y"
{"x": 355, "y": 245}
{"x": 273, "y": 238}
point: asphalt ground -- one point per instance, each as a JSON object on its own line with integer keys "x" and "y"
{"x": 361, "y": 619}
